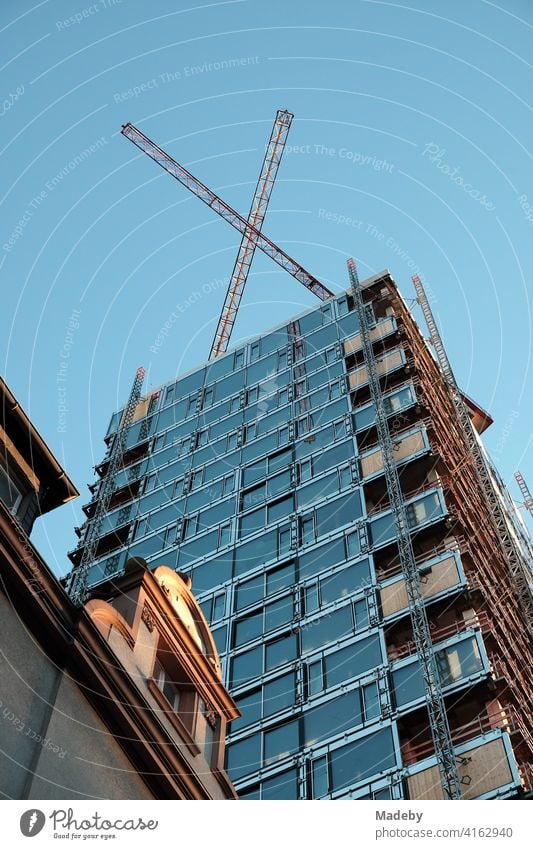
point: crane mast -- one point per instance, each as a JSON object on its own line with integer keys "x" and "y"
{"x": 165, "y": 161}
{"x": 256, "y": 216}
{"x": 438, "y": 719}
{"x": 519, "y": 568}
{"x": 77, "y": 585}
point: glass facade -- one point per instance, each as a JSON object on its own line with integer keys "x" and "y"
{"x": 250, "y": 482}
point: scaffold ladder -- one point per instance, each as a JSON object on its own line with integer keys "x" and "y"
{"x": 77, "y": 584}
{"x": 521, "y": 570}
{"x": 438, "y": 719}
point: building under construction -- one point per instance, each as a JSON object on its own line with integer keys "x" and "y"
{"x": 357, "y": 556}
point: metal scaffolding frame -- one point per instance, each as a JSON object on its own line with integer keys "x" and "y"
{"x": 438, "y": 719}
{"x": 520, "y": 569}
{"x": 77, "y": 584}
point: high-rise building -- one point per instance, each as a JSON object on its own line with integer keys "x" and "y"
{"x": 261, "y": 475}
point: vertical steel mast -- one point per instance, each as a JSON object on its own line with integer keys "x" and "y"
{"x": 438, "y": 719}
{"x": 520, "y": 569}
{"x": 77, "y": 585}
{"x": 256, "y": 216}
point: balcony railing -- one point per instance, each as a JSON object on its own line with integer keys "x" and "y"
{"x": 504, "y": 718}
{"x": 479, "y": 620}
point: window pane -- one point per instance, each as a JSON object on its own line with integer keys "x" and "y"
{"x": 320, "y": 778}
{"x": 249, "y": 592}
{"x": 315, "y": 678}
{"x": 364, "y": 757}
{"x": 281, "y": 651}
{"x": 371, "y": 701}
{"x": 332, "y": 718}
{"x": 247, "y": 665}
{"x": 256, "y": 552}
{"x": 346, "y": 582}
{"x": 244, "y": 757}
{"x": 253, "y": 522}
{"x": 321, "y": 558}
{"x": 279, "y": 613}
{"x": 279, "y": 694}
{"x": 280, "y": 579}
{"x": 283, "y": 786}
{"x": 337, "y": 513}
{"x": 320, "y": 632}
{"x": 281, "y": 742}
{"x": 408, "y": 683}
{"x": 250, "y": 708}
{"x": 353, "y": 660}
{"x": 279, "y": 509}
{"x": 360, "y": 610}
{"x": 219, "y": 636}
{"x": 248, "y": 629}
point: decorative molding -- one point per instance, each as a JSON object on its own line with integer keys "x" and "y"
{"x": 148, "y": 617}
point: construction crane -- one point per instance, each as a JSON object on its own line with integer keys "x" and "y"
{"x": 438, "y": 719}
{"x": 256, "y": 216}
{"x": 77, "y": 582}
{"x": 520, "y": 569}
{"x": 526, "y": 495}
{"x": 225, "y": 211}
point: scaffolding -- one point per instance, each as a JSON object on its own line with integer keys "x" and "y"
{"x": 77, "y": 585}
{"x": 438, "y": 719}
{"x": 526, "y": 494}
{"x": 520, "y": 569}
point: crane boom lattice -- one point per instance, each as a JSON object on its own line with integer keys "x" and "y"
{"x": 521, "y": 570}
{"x": 438, "y": 719}
{"x": 526, "y": 495}
{"x": 225, "y": 211}
{"x": 256, "y": 216}
{"x": 77, "y": 586}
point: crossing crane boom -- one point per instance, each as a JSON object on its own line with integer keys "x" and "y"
{"x": 256, "y": 216}
{"x": 225, "y": 211}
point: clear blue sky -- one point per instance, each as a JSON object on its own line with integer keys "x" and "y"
{"x": 412, "y": 120}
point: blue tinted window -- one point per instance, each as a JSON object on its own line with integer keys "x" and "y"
{"x": 249, "y": 592}
{"x": 320, "y": 558}
{"x": 280, "y": 578}
{"x": 249, "y": 628}
{"x": 320, "y": 632}
{"x": 256, "y": 552}
{"x": 340, "y": 512}
{"x": 346, "y": 582}
{"x": 281, "y": 742}
{"x": 332, "y": 718}
{"x": 279, "y": 694}
{"x": 280, "y": 652}
{"x": 213, "y": 573}
{"x": 244, "y": 757}
{"x": 250, "y": 708}
{"x": 246, "y": 665}
{"x": 364, "y": 757}
{"x": 353, "y": 660}
{"x": 279, "y": 613}
{"x": 283, "y": 786}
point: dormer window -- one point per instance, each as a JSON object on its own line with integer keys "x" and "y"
{"x": 10, "y": 491}
{"x": 168, "y": 687}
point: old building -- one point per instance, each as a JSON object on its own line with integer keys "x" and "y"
{"x": 119, "y": 699}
